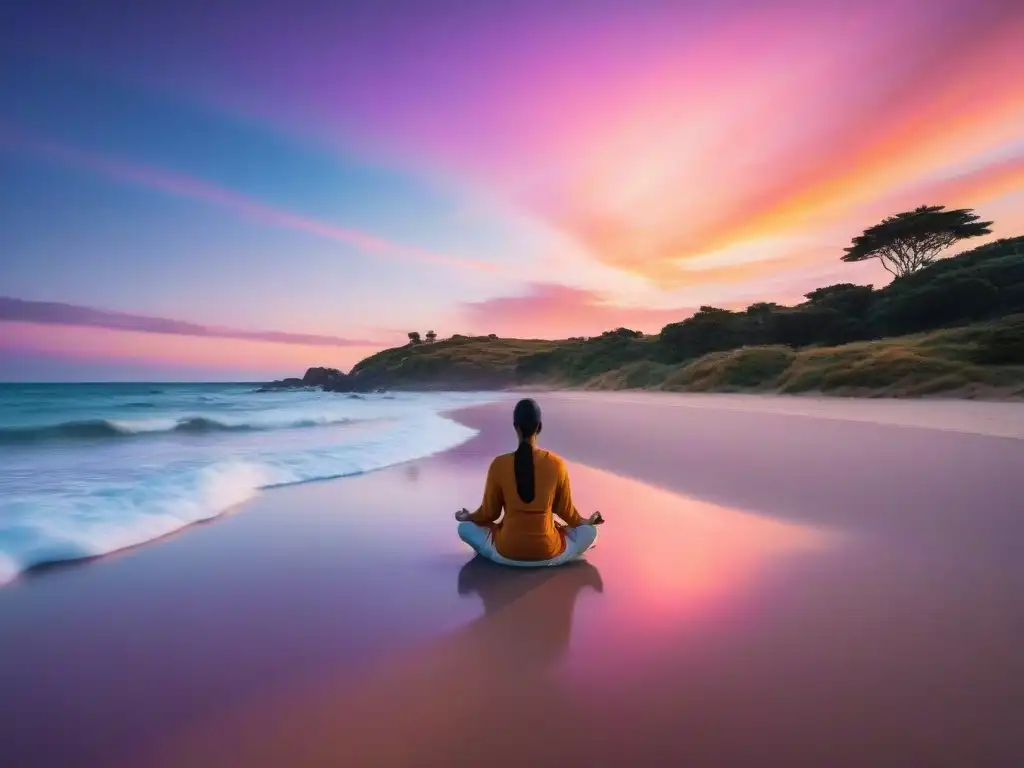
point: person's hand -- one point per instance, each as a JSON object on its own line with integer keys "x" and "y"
{"x": 463, "y": 515}
{"x": 595, "y": 519}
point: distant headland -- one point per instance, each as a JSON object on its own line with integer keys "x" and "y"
{"x": 950, "y": 327}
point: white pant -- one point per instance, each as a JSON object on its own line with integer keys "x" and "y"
{"x": 577, "y": 541}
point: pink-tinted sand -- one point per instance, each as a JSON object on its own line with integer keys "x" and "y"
{"x": 769, "y": 590}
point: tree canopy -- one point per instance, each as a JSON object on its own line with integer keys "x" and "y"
{"x": 414, "y": 337}
{"x": 908, "y": 241}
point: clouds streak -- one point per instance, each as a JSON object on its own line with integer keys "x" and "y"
{"x": 55, "y": 313}
{"x": 181, "y": 185}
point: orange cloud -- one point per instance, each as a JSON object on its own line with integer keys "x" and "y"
{"x": 961, "y": 99}
{"x": 751, "y": 270}
{"x": 856, "y": 132}
{"x": 972, "y": 188}
{"x": 969, "y": 189}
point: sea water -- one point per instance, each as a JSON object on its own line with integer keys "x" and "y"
{"x": 87, "y": 469}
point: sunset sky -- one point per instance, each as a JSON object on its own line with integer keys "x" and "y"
{"x": 212, "y": 190}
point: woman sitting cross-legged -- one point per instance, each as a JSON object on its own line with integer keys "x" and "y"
{"x": 532, "y": 486}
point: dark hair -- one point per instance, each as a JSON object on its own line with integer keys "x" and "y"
{"x": 525, "y": 418}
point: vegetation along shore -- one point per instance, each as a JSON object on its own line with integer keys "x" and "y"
{"x": 951, "y": 326}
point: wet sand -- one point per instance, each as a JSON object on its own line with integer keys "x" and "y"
{"x": 770, "y": 589}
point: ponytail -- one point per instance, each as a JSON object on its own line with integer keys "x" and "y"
{"x": 526, "y": 419}
{"x": 524, "y": 471}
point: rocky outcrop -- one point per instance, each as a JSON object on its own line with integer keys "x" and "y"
{"x": 318, "y": 377}
{"x": 327, "y": 379}
{"x": 339, "y": 382}
{"x": 281, "y": 384}
{"x": 454, "y": 378}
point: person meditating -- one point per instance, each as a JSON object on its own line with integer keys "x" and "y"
{"x": 532, "y": 487}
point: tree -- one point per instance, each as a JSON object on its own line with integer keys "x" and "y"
{"x": 853, "y": 301}
{"x": 908, "y": 241}
{"x": 946, "y": 301}
{"x": 414, "y": 337}
{"x": 623, "y": 333}
{"x": 839, "y": 291}
{"x": 759, "y": 322}
{"x": 431, "y": 337}
{"x": 711, "y": 329}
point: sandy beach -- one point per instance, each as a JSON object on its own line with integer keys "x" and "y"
{"x": 773, "y": 587}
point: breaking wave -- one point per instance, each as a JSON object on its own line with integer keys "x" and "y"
{"x": 105, "y": 511}
{"x": 98, "y": 429}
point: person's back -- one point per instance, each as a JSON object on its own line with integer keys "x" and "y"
{"x": 528, "y": 530}
{"x": 531, "y": 486}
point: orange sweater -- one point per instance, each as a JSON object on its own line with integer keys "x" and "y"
{"x": 528, "y": 531}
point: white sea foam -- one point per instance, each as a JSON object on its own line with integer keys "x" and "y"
{"x": 64, "y": 504}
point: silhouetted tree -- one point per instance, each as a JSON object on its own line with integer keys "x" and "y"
{"x": 759, "y": 322}
{"x": 431, "y": 337}
{"x": 414, "y": 337}
{"x": 948, "y": 300}
{"x": 623, "y": 333}
{"x": 709, "y": 330}
{"x": 852, "y": 302}
{"x": 840, "y": 292}
{"x": 908, "y": 241}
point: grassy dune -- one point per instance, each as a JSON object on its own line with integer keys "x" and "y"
{"x": 461, "y": 362}
{"x": 987, "y": 358}
{"x": 955, "y": 327}
{"x": 984, "y": 359}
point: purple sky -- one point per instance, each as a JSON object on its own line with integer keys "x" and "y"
{"x": 245, "y": 189}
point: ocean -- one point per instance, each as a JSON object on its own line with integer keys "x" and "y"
{"x": 87, "y": 469}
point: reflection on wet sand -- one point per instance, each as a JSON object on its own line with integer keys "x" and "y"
{"x": 553, "y": 646}
{"x": 470, "y": 693}
{"x": 541, "y": 636}
{"x": 338, "y": 623}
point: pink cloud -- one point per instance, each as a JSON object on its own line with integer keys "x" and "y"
{"x": 559, "y": 311}
{"x": 56, "y": 313}
{"x": 650, "y": 134}
{"x": 76, "y": 333}
{"x": 846, "y": 133}
{"x": 227, "y": 354}
{"x": 655, "y": 137}
{"x": 969, "y": 188}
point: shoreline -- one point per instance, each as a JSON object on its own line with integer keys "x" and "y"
{"x": 345, "y": 617}
{"x": 142, "y": 481}
{"x": 983, "y": 418}
{"x": 317, "y": 723}
{"x": 969, "y": 394}
{"x": 728, "y": 351}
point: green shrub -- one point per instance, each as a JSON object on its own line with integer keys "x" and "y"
{"x": 745, "y": 368}
{"x": 949, "y": 300}
{"x": 1004, "y": 346}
